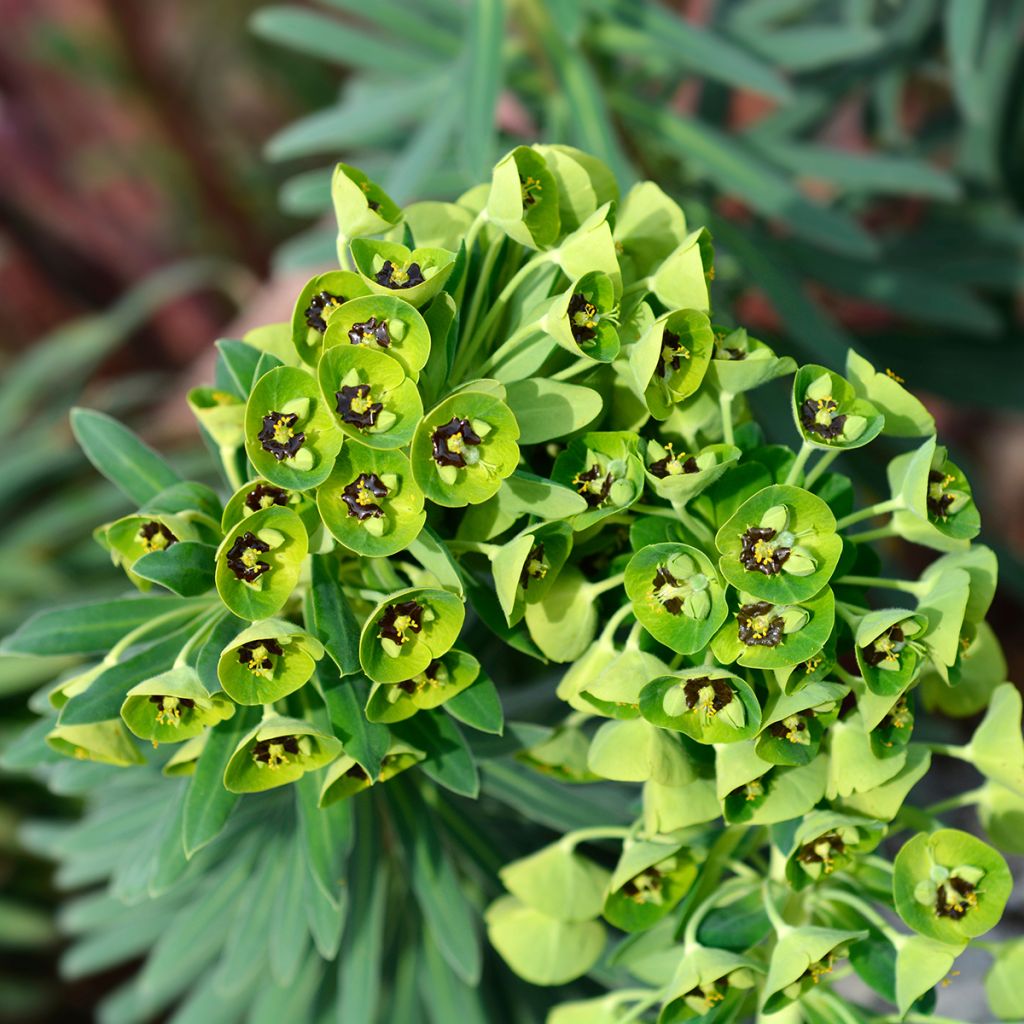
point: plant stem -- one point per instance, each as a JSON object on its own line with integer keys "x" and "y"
{"x": 609, "y": 584}
{"x": 878, "y": 509}
{"x": 780, "y": 925}
{"x": 948, "y": 750}
{"x": 582, "y": 364}
{"x": 456, "y": 546}
{"x": 867, "y": 912}
{"x": 616, "y": 620}
{"x": 868, "y": 536}
{"x": 585, "y": 835}
{"x": 725, "y": 405}
{"x": 702, "y": 532}
{"x": 907, "y": 586}
{"x": 826, "y": 460}
{"x": 965, "y": 799}
{"x": 133, "y": 637}
{"x": 656, "y": 510}
{"x": 798, "y": 463}
{"x": 200, "y": 636}
{"x": 720, "y": 895}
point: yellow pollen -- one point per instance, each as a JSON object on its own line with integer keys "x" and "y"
{"x": 169, "y": 712}
{"x": 763, "y": 552}
{"x": 282, "y": 432}
{"x": 894, "y": 376}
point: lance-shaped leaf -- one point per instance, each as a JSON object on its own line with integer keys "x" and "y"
{"x": 317, "y": 304}
{"x": 278, "y": 751}
{"x": 268, "y": 661}
{"x": 388, "y": 268}
{"x": 173, "y": 706}
{"x": 382, "y": 323}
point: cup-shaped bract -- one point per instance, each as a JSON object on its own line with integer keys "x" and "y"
{"x": 703, "y": 979}
{"x": 290, "y": 436}
{"x": 584, "y": 318}
{"x": 259, "y": 494}
{"x": 826, "y": 842}
{"x": 670, "y": 360}
{"x": 904, "y": 414}
{"x": 371, "y": 398}
{"x": 464, "y": 447}
{"x": 677, "y": 475}
{"x": 527, "y": 565}
{"x": 684, "y": 278}
{"x": 615, "y": 690}
{"x": 346, "y": 776}
{"x": 220, "y": 413}
{"x": 407, "y": 631}
{"x": 649, "y": 226}
{"x": 277, "y": 752}
{"x": 382, "y": 323}
{"x": 445, "y": 677}
{"x": 741, "y": 363}
{"x": 761, "y": 634}
{"x": 829, "y": 414}
{"x": 558, "y": 881}
{"x": 267, "y": 661}
{"x": 648, "y": 883}
{"x": 388, "y": 268}
{"x": 523, "y": 200}
{"x": 584, "y": 183}
{"x": 318, "y": 303}
{"x": 605, "y": 468}
{"x": 371, "y": 503}
{"x": 173, "y": 706}
{"x": 780, "y": 545}
{"x": 361, "y": 206}
{"x": 259, "y": 562}
{"x": 105, "y": 742}
{"x": 707, "y": 703}
{"x": 888, "y": 649}
{"x": 130, "y": 538}
{"x": 676, "y": 595}
{"x": 949, "y": 885}
{"x": 802, "y": 957}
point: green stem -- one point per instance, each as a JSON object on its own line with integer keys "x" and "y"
{"x": 965, "y": 799}
{"x": 656, "y": 510}
{"x": 200, "y": 636}
{"x": 865, "y": 910}
{"x": 490, "y": 257}
{"x": 869, "y": 536}
{"x": 779, "y": 923}
{"x": 456, "y": 546}
{"x": 621, "y": 614}
{"x": 611, "y": 583}
{"x": 720, "y": 895}
{"x": 846, "y": 677}
{"x": 580, "y": 366}
{"x": 878, "y": 509}
{"x": 725, "y": 405}
{"x": 635, "y": 1012}
{"x": 134, "y": 636}
{"x": 948, "y": 750}
{"x": 703, "y": 533}
{"x": 907, "y": 586}
{"x": 821, "y": 465}
{"x": 585, "y": 835}
{"x": 798, "y": 463}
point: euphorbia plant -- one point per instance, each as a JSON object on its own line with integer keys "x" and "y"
{"x": 511, "y": 431}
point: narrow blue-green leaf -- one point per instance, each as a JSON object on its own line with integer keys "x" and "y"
{"x": 326, "y": 837}
{"x": 240, "y": 360}
{"x": 964, "y": 28}
{"x": 291, "y": 933}
{"x": 345, "y": 698}
{"x": 811, "y": 47}
{"x": 416, "y": 24}
{"x": 437, "y": 888}
{"x": 449, "y": 761}
{"x": 306, "y": 193}
{"x": 331, "y": 617}
{"x": 485, "y": 32}
{"x": 185, "y": 568}
{"x": 478, "y": 706}
{"x": 132, "y": 466}
{"x": 446, "y": 996}
{"x": 326, "y": 920}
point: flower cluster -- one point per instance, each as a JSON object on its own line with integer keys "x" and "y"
{"x": 510, "y": 428}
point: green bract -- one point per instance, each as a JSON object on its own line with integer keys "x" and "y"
{"x": 514, "y": 569}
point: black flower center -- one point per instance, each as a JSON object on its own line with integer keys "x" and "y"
{"x": 711, "y": 695}
{"x": 534, "y": 568}
{"x": 673, "y": 352}
{"x": 757, "y": 627}
{"x": 645, "y": 887}
{"x": 321, "y": 304}
{"x": 594, "y": 485}
{"x": 759, "y": 554}
{"x": 278, "y": 435}
{"x": 673, "y": 465}
{"x": 818, "y": 416}
{"x": 886, "y": 649}
{"x": 275, "y": 752}
{"x": 396, "y": 277}
{"x": 824, "y": 850}
{"x": 356, "y": 406}
{"x": 169, "y": 708}
{"x": 792, "y": 728}
{"x": 666, "y": 590}
{"x": 243, "y": 557}
{"x": 530, "y": 189}
{"x": 954, "y": 897}
{"x": 427, "y": 678}
{"x": 154, "y": 536}
{"x": 938, "y": 500}
{"x": 399, "y": 620}
{"x": 450, "y": 440}
{"x": 264, "y": 496}
{"x": 362, "y": 496}
{"x": 370, "y": 331}
{"x": 256, "y": 655}
{"x": 583, "y": 319}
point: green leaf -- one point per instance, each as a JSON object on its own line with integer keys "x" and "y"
{"x": 288, "y": 951}
{"x": 133, "y": 467}
{"x": 437, "y": 888}
{"x": 485, "y": 32}
{"x": 448, "y": 997}
{"x": 547, "y": 409}
{"x": 186, "y": 568}
{"x": 1002, "y": 983}
{"x": 478, "y": 706}
{"x": 449, "y": 761}
{"x": 811, "y": 47}
{"x": 345, "y": 699}
{"x": 207, "y": 803}
{"x": 331, "y": 618}
{"x": 558, "y": 882}
{"x": 327, "y": 837}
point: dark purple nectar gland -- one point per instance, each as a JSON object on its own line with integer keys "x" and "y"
{"x": 243, "y": 558}
{"x": 391, "y": 276}
{"x": 275, "y": 752}
{"x": 355, "y": 406}
{"x": 757, "y": 627}
{"x": 369, "y": 332}
{"x": 720, "y": 695}
{"x": 256, "y": 655}
{"x": 534, "y": 568}
{"x": 428, "y": 677}
{"x": 154, "y": 536}
{"x": 362, "y": 496}
{"x": 278, "y": 436}
{"x": 758, "y": 554}
{"x": 792, "y": 729}
{"x": 583, "y": 319}
{"x": 954, "y": 897}
{"x": 673, "y": 352}
{"x": 321, "y": 304}
{"x": 450, "y": 440}
{"x": 673, "y": 465}
{"x": 825, "y": 850}
{"x": 592, "y": 486}
{"x": 645, "y": 887}
{"x": 664, "y": 581}
{"x": 937, "y": 500}
{"x": 886, "y": 649}
{"x": 818, "y": 416}
{"x": 399, "y": 620}
{"x": 265, "y": 496}
{"x": 529, "y": 189}
{"x": 169, "y": 709}
{"x": 371, "y": 203}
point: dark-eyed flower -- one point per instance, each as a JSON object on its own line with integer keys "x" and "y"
{"x": 793, "y": 728}
{"x": 758, "y": 625}
{"x": 279, "y": 437}
{"x": 400, "y": 620}
{"x": 884, "y": 652}
{"x": 356, "y": 406}
{"x": 276, "y": 751}
{"x": 828, "y": 418}
{"x": 594, "y": 485}
{"x": 530, "y": 189}
{"x": 264, "y": 496}
{"x": 711, "y": 695}
{"x": 243, "y": 557}
{"x": 369, "y": 332}
{"x": 534, "y": 568}
{"x": 759, "y": 554}
{"x": 392, "y": 276}
{"x": 170, "y": 708}
{"x": 452, "y": 443}
{"x": 671, "y": 464}
{"x": 154, "y": 536}
{"x": 320, "y": 305}
{"x": 583, "y": 319}
{"x": 258, "y": 656}
{"x": 173, "y": 707}
{"x": 942, "y": 500}
{"x": 363, "y": 495}
{"x": 673, "y": 354}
